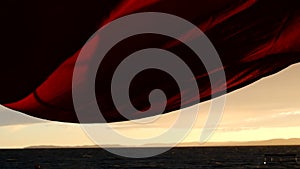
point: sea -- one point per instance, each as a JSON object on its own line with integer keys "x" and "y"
{"x": 176, "y": 158}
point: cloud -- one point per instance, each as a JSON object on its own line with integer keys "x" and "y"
{"x": 284, "y": 114}
{"x": 15, "y": 128}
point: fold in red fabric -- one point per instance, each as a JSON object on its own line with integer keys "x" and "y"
{"x": 254, "y": 39}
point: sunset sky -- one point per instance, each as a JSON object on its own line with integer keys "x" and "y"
{"x": 266, "y": 109}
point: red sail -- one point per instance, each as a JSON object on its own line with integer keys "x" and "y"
{"x": 253, "y": 38}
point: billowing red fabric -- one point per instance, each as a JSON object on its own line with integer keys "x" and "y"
{"x": 253, "y": 38}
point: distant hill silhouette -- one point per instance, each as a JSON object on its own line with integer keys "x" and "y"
{"x": 273, "y": 142}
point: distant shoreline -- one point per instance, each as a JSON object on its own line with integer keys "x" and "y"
{"x": 273, "y": 142}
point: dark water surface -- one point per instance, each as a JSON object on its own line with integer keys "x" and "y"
{"x": 189, "y": 158}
